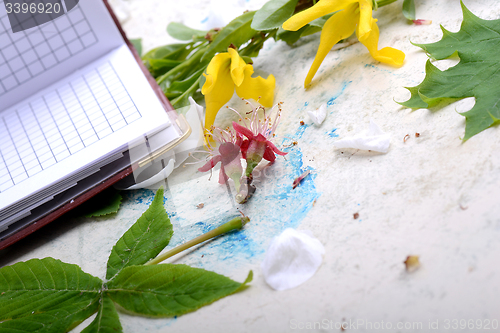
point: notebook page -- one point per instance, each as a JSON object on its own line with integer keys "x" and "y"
{"x": 33, "y": 58}
{"x": 80, "y": 119}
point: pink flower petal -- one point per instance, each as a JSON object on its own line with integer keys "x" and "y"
{"x": 276, "y": 150}
{"x": 229, "y": 151}
{"x": 210, "y": 164}
{"x": 222, "y": 176}
{"x": 297, "y": 180}
{"x": 244, "y": 148}
{"x": 243, "y": 130}
{"x": 269, "y": 154}
{"x": 239, "y": 140}
{"x": 260, "y": 138}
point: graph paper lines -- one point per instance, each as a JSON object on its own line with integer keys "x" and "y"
{"x": 62, "y": 122}
{"x": 29, "y": 53}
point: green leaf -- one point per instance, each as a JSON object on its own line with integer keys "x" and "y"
{"x": 144, "y": 240}
{"x": 237, "y": 32}
{"x": 184, "y": 70}
{"x": 409, "y": 9}
{"x": 182, "y": 32}
{"x": 107, "y": 320}
{"x": 182, "y": 86}
{"x": 105, "y": 203}
{"x": 186, "y": 88}
{"x": 160, "y": 64}
{"x": 46, "y": 295}
{"x": 290, "y": 37}
{"x": 60, "y": 320}
{"x": 476, "y": 75}
{"x": 273, "y": 14}
{"x": 169, "y": 290}
{"x": 159, "y": 67}
{"x": 137, "y": 45}
{"x": 203, "y": 79}
{"x": 171, "y": 51}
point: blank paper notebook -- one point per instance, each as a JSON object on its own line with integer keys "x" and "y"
{"x": 72, "y": 99}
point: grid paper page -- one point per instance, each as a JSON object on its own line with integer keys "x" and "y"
{"x": 61, "y": 123}
{"x": 29, "y": 53}
{"x": 32, "y": 58}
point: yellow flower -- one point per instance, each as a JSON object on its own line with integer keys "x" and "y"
{"x": 227, "y": 71}
{"x": 352, "y": 15}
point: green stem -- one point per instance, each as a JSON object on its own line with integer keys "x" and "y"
{"x": 187, "y": 63}
{"x": 250, "y": 166}
{"x": 256, "y": 44}
{"x": 191, "y": 89}
{"x": 234, "y": 224}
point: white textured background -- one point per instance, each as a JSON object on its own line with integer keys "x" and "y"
{"x": 432, "y": 196}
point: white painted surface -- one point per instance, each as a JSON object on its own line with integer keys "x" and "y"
{"x": 431, "y": 196}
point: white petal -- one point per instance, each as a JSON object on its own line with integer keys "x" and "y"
{"x": 199, "y": 108}
{"x": 194, "y": 117}
{"x": 158, "y": 177}
{"x": 173, "y": 158}
{"x": 292, "y": 258}
{"x": 319, "y": 115}
{"x": 372, "y": 139}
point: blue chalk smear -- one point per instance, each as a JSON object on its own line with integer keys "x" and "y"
{"x": 344, "y": 87}
{"x": 287, "y": 141}
{"x": 332, "y": 133}
{"x": 142, "y": 196}
{"x": 379, "y": 69}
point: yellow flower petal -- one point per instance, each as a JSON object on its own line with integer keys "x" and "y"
{"x": 387, "y": 55}
{"x": 321, "y": 8}
{"x": 237, "y": 66}
{"x": 220, "y": 89}
{"x": 257, "y": 88}
{"x": 213, "y": 69}
{"x": 365, "y": 19}
{"x": 340, "y": 26}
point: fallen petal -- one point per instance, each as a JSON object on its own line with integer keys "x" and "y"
{"x": 319, "y": 115}
{"x": 412, "y": 263}
{"x": 372, "y": 139}
{"x": 422, "y": 22}
{"x": 297, "y": 180}
{"x": 292, "y": 258}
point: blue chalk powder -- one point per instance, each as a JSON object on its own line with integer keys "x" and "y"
{"x": 345, "y": 84}
{"x": 332, "y": 133}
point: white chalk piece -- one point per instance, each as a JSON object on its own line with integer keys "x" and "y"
{"x": 319, "y": 115}
{"x": 372, "y": 139}
{"x": 292, "y": 258}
